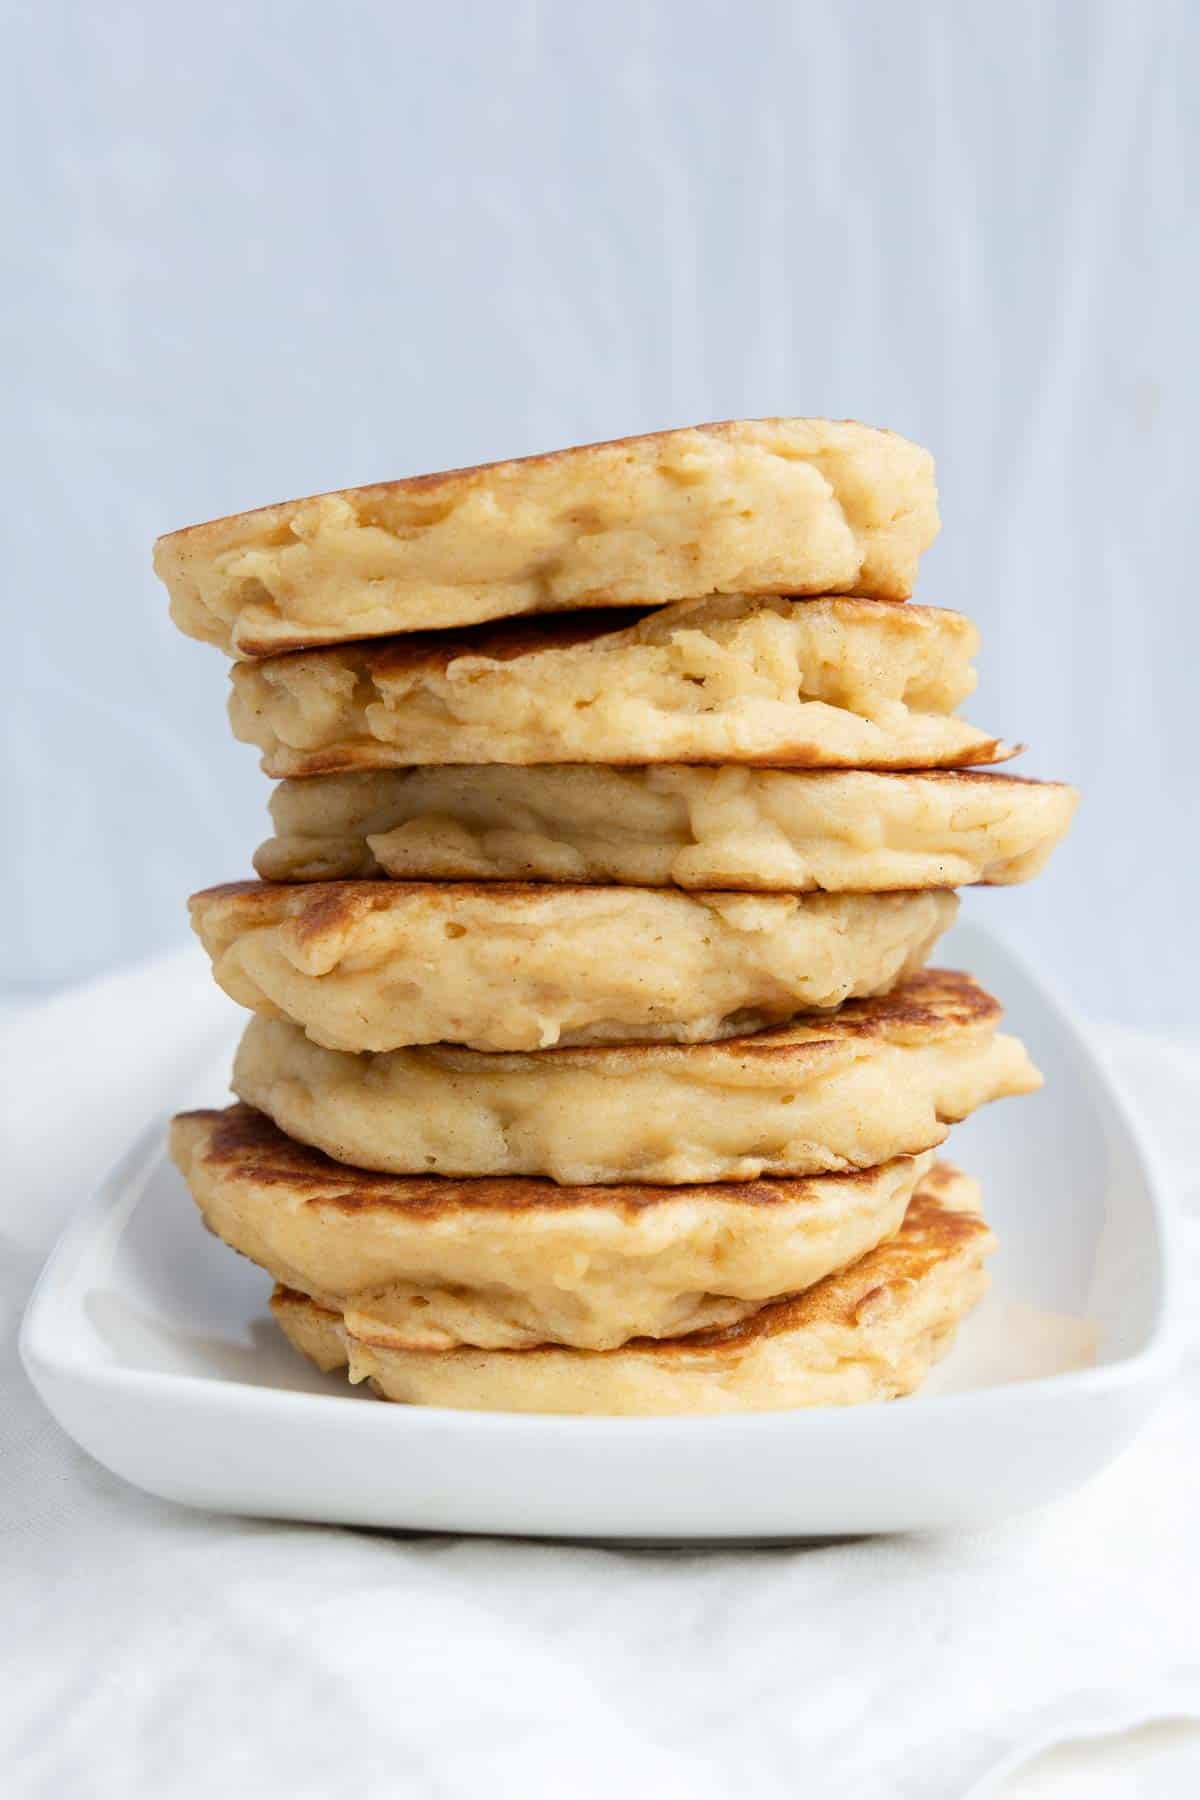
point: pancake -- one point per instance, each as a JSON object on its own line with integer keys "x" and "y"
{"x": 755, "y": 830}
{"x": 367, "y": 965}
{"x": 874, "y": 1080}
{"x": 870, "y": 1332}
{"x": 773, "y": 506}
{"x": 510, "y": 1262}
{"x": 831, "y": 683}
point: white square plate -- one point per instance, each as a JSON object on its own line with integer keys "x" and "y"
{"x": 152, "y": 1346}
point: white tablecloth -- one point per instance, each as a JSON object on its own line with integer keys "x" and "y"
{"x": 149, "y": 1651}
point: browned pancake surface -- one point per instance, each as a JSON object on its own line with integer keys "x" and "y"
{"x": 244, "y": 1146}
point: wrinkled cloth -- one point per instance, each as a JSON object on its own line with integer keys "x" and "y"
{"x": 150, "y": 1650}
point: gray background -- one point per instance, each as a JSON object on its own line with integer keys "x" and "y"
{"x": 271, "y": 249}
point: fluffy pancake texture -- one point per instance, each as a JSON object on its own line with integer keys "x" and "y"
{"x": 791, "y": 506}
{"x": 829, "y": 683}
{"x": 870, "y": 1332}
{"x": 501, "y": 966}
{"x": 509, "y": 1263}
{"x": 874, "y": 1080}
{"x": 757, "y": 830}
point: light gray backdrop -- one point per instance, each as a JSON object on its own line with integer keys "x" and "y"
{"x": 268, "y": 249}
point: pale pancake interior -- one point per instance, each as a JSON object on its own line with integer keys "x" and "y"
{"x": 763, "y": 830}
{"x": 825, "y": 683}
{"x": 875, "y": 1079}
{"x": 508, "y": 1262}
{"x": 380, "y": 965}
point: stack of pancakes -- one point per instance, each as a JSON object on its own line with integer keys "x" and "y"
{"x": 594, "y": 1065}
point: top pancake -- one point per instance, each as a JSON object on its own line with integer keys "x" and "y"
{"x": 766, "y": 506}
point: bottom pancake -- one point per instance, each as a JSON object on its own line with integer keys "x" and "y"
{"x": 870, "y": 1332}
